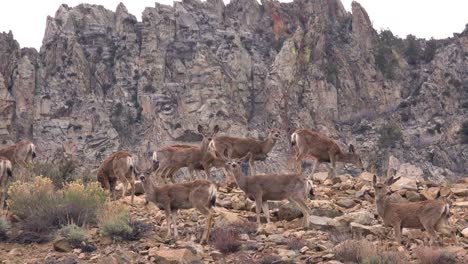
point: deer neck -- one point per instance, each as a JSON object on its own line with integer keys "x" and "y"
{"x": 344, "y": 157}
{"x": 204, "y": 146}
{"x": 381, "y": 203}
{"x": 268, "y": 144}
{"x": 240, "y": 179}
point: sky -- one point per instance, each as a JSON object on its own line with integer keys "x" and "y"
{"x": 423, "y": 18}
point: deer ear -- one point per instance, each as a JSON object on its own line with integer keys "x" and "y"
{"x": 216, "y": 129}
{"x": 351, "y": 148}
{"x": 390, "y": 180}
{"x": 374, "y": 179}
{"x": 200, "y": 129}
{"x": 246, "y": 157}
{"x": 226, "y": 153}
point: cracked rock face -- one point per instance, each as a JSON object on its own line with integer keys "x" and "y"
{"x": 103, "y": 81}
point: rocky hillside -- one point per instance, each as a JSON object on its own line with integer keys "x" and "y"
{"x": 344, "y": 228}
{"x": 103, "y": 81}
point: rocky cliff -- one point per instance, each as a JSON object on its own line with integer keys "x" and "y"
{"x": 103, "y": 81}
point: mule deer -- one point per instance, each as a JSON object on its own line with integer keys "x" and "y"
{"x": 271, "y": 187}
{"x": 118, "y": 166}
{"x": 308, "y": 142}
{"x": 238, "y": 147}
{"x": 22, "y": 153}
{"x": 431, "y": 215}
{"x": 199, "y": 194}
{"x": 5, "y": 174}
{"x": 171, "y": 158}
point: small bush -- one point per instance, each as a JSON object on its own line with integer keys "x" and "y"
{"x": 427, "y": 255}
{"x": 4, "y": 226}
{"x": 29, "y": 237}
{"x": 269, "y": 259}
{"x": 43, "y": 208}
{"x": 355, "y": 251}
{"x": 337, "y": 236}
{"x": 295, "y": 243}
{"x": 226, "y": 240}
{"x": 139, "y": 228}
{"x": 248, "y": 228}
{"x": 74, "y": 234}
{"x": 114, "y": 222}
{"x": 390, "y": 134}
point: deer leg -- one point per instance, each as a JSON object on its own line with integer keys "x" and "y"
{"x": 333, "y": 164}
{"x": 2, "y": 199}
{"x": 132, "y": 185}
{"x": 258, "y": 207}
{"x": 429, "y": 226}
{"x": 266, "y": 211}
{"x": 174, "y": 223}
{"x": 191, "y": 169}
{"x": 208, "y": 221}
{"x": 112, "y": 189}
{"x": 299, "y": 156}
{"x": 125, "y": 187}
{"x": 167, "y": 210}
{"x": 314, "y": 166}
{"x": 299, "y": 202}
{"x": 252, "y": 166}
{"x": 397, "y": 230}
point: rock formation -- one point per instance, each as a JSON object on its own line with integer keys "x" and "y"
{"x": 103, "y": 81}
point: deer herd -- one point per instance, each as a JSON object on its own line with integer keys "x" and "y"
{"x": 227, "y": 153}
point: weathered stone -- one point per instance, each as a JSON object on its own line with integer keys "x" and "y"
{"x": 346, "y": 202}
{"x": 404, "y": 184}
{"x": 320, "y": 176}
{"x": 363, "y": 230}
{"x": 431, "y": 193}
{"x": 330, "y": 213}
{"x": 289, "y": 212}
{"x": 464, "y": 232}
{"x": 412, "y": 196}
{"x": 366, "y": 176}
{"x": 460, "y": 191}
{"x": 360, "y": 217}
{"x": 62, "y": 245}
{"x": 319, "y": 222}
{"x": 410, "y": 171}
{"x": 174, "y": 256}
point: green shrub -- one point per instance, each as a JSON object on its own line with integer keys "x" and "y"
{"x": 43, "y": 208}
{"x": 114, "y": 222}
{"x": 4, "y": 226}
{"x": 430, "y": 50}
{"x": 390, "y": 134}
{"x": 74, "y": 234}
{"x": 413, "y": 50}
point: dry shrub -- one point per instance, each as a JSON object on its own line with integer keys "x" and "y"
{"x": 269, "y": 259}
{"x": 337, "y": 236}
{"x": 226, "y": 240}
{"x": 355, "y": 251}
{"x": 29, "y": 237}
{"x": 42, "y": 208}
{"x": 295, "y": 243}
{"x": 139, "y": 228}
{"x": 60, "y": 172}
{"x": 77, "y": 237}
{"x": 388, "y": 257}
{"x": 4, "y": 226}
{"x": 428, "y": 255}
{"x": 114, "y": 221}
{"x": 244, "y": 227}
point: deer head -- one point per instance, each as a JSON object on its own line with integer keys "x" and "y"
{"x": 207, "y": 135}
{"x": 274, "y": 134}
{"x": 353, "y": 158}
{"x": 234, "y": 165}
{"x": 382, "y": 189}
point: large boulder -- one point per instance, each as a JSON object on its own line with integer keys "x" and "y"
{"x": 174, "y": 256}
{"x": 404, "y": 183}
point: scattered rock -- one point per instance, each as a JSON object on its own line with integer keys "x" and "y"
{"x": 366, "y": 176}
{"x": 346, "y": 202}
{"x": 319, "y": 222}
{"x": 364, "y": 230}
{"x": 289, "y": 212}
{"x": 15, "y": 252}
{"x": 320, "y": 176}
{"x": 331, "y": 213}
{"x": 431, "y": 193}
{"x": 464, "y": 232}
{"x": 174, "y": 256}
{"x": 460, "y": 192}
{"x": 363, "y": 191}
{"x": 410, "y": 171}
{"x": 404, "y": 184}
{"x": 463, "y": 204}
{"x": 360, "y": 217}
{"x": 413, "y": 196}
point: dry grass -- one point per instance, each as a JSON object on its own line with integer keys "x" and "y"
{"x": 428, "y": 255}
{"x": 226, "y": 240}
{"x": 114, "y": 221}
{"x": 4, "y": 226}
{"x": 43, "y": 208}
{"x": 295, "y": 243}
{"x": 355, "y": 251}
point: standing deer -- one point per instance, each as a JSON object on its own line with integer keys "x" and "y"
{"x": 308, "y": 142}
{"x": 118, "y": 166}
{"x": 431, "y": 215}
{"x": 271, "y": 187}
{"x": 199, "y": 194}
{"x": 22, "y": 153}
{"x": 238, "y": 147}
{"x": 5, "y": 174}
{"x": 171, "y": 158}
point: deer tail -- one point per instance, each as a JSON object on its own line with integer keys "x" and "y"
{"x": 293, "y": 139}
{"x": 212, "y": 192}
{"x": 32, "y": 150}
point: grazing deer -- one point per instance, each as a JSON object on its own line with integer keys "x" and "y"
{"x": 22, "y": 153}
{"x": 238, "y": 147}
{"x": 271, "y": 187}
{"x": 118, "y": 166}
{"x": 171, "y": 158}
{"x": 431, "y": 215}
{"x": 308, "y": 142}
{"x": 199, "y": 194}
{"x": 5, "y": 174}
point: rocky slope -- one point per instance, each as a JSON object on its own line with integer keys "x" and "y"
{"x": 103, "y": 81}
{"x": 342, "y": 209}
